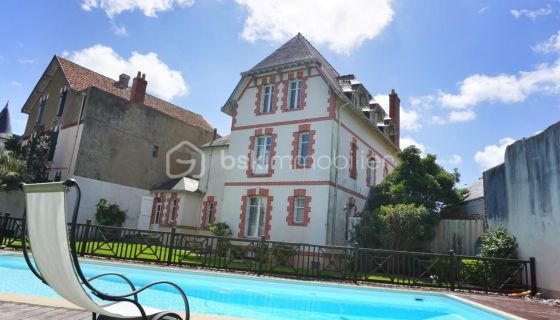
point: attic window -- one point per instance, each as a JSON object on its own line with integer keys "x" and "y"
{"x": 62, "y": 100}
{"x": 155, "y": 151}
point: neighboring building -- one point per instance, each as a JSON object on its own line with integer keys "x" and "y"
{"x": 111, "y": 137}
{"x": 5, "y": 126}
{"x": 291, "y": 115}
{"x": 523, "y": 194}
{"x": 461, "y": 227}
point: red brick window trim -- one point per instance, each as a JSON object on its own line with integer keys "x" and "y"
{"x": 371, "y": 169}
{"x": 301, "y": 139}
{"x": 302, "y": 203}
{"x": 354, "y": 158}
{"x": 268, "y": 132}
{"x": 262, "y": 198}
{"x": 262, "y": 94}
{"x": 209, "y": 208}
{"x": 297, "y": 78}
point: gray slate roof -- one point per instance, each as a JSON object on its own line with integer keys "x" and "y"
{"x": 476, "y": 190}
{"x": 297, "y": 49}
{"x": 220, "y": 142}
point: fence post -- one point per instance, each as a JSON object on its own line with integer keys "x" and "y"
{"x": 261, "y": 253}
{"x": 356, "y": 261}
{"x": 85, "y": 238}
{"x": 3, "y": 226}
{"x": 452, "y": 269}
{"x": 533, "y": 269}
{"x": 171, "y": 246}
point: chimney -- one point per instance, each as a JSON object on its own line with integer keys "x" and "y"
{"x": 123, "y": 81}
{"x": 395, "y": 114}
{"x": 138, "y": 92}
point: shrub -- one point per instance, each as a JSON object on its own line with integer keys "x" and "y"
{"x": 221, "y": 229}
{"x": 498, "y": 244}
{"x": 109, "y": 215}
{"x": 282, "y": 254}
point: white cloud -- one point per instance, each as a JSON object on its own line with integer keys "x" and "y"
{"x": 504, "y": 88}
{"x": 26, "y": 61}
{"x": 438, "y": 120}
{"x": 119, "y": 29}
{"x": 150, "y": 8}
{"x": 492, "y": 155}
{"x": 482, "y": 10}
{"x": 550, "y": 45}
{"x": 163, "y": 81}
{"x": 408, "y": 141}
{"x": 531, "y": 14}
{"x": 424, "y": 102}
{"x": 15, "y": 83}
{"x": 455, "y": 160}
{"x": 336, "y": 23}
{"x": 462, "y": 115}
{"x": 410, "y": 120}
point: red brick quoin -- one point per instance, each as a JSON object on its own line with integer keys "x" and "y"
{"x": 266, "y": 81}
{"x": 295, "y": 147}
{"x": 268, "y": 211}
{"x": 306, "y": 210}
{"x": 285, "y": 90}
{"x": 252, "y": 141}
{"x": 209, "y": 200}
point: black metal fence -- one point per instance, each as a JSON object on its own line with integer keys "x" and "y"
{"x": 299, "y": 260}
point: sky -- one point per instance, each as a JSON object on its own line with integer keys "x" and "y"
{"x": 473, "y": 76}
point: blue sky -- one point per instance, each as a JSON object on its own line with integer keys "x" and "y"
{"x": 472, "y": 75}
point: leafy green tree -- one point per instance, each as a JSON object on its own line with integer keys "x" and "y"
{"x": 10, "y": 170}
{"x": 402, "y": 211}
{"x": 109, "y": 215}
{"x": 34, "y": 156}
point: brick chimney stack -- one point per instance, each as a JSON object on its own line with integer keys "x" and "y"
{"x": 395, "y": 114}
{"x": 138, "y": 92}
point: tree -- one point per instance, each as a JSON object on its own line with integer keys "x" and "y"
{"x": 403, "y": 210}
{"x": 34, "y": 156}
{"x": 10, "y": 169}
{"x": 109, "y": 215}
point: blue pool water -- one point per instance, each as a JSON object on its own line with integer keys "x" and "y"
{"x": 254, "y": 298}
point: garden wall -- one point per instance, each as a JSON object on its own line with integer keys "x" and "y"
{"x": 12, "y": 202}
{"x": 462, "y": 236}
{"x": 523, "y": 194}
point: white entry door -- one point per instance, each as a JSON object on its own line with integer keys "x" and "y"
{"x": 145, "y": 213}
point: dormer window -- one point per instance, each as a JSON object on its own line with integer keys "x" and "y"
{"x": 62, "y": 100}
{"x": 268, "y": 98}
{"x": 295, "y": 95}
{"x": 355, "y": 99}
{"x": 41, "y": 111}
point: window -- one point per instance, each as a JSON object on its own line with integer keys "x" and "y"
{"x": 159, "y": 209}
{"x": 303, "y": 148}
{"x": 41, "y": 111}
{"x": 62, "y": 101}
{"x": 262, "y": 154}
{"x": 255, "y": 217}
{"x": 355, "y": 99}
{"x": 299, "y": 209}
{"x": 268, "y": 98}
{"x": 209, "y": 208}
{"x": 353, "y": 160}
{"x": 295, "y": 95}
{"x": 370, "y": 172}
{"x": 173, "y": 211}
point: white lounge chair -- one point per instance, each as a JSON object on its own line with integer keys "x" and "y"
{"x": 57, "y": 262}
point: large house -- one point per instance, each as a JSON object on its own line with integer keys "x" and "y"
{"x": 111, "y": 137}
{"x": 305, "y": 147}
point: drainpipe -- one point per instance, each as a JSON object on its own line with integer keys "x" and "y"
{"x": 332, "y": 217}
{"x": 83, "y": 94}
{"x": 207, "y": 179}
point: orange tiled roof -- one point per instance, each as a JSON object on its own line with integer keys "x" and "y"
{"x": 81, "y": 78}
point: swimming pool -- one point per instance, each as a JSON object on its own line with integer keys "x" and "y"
{"x": 254, "y": 298}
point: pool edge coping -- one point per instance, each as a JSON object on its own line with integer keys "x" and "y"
{"x": 452, "y": 296}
